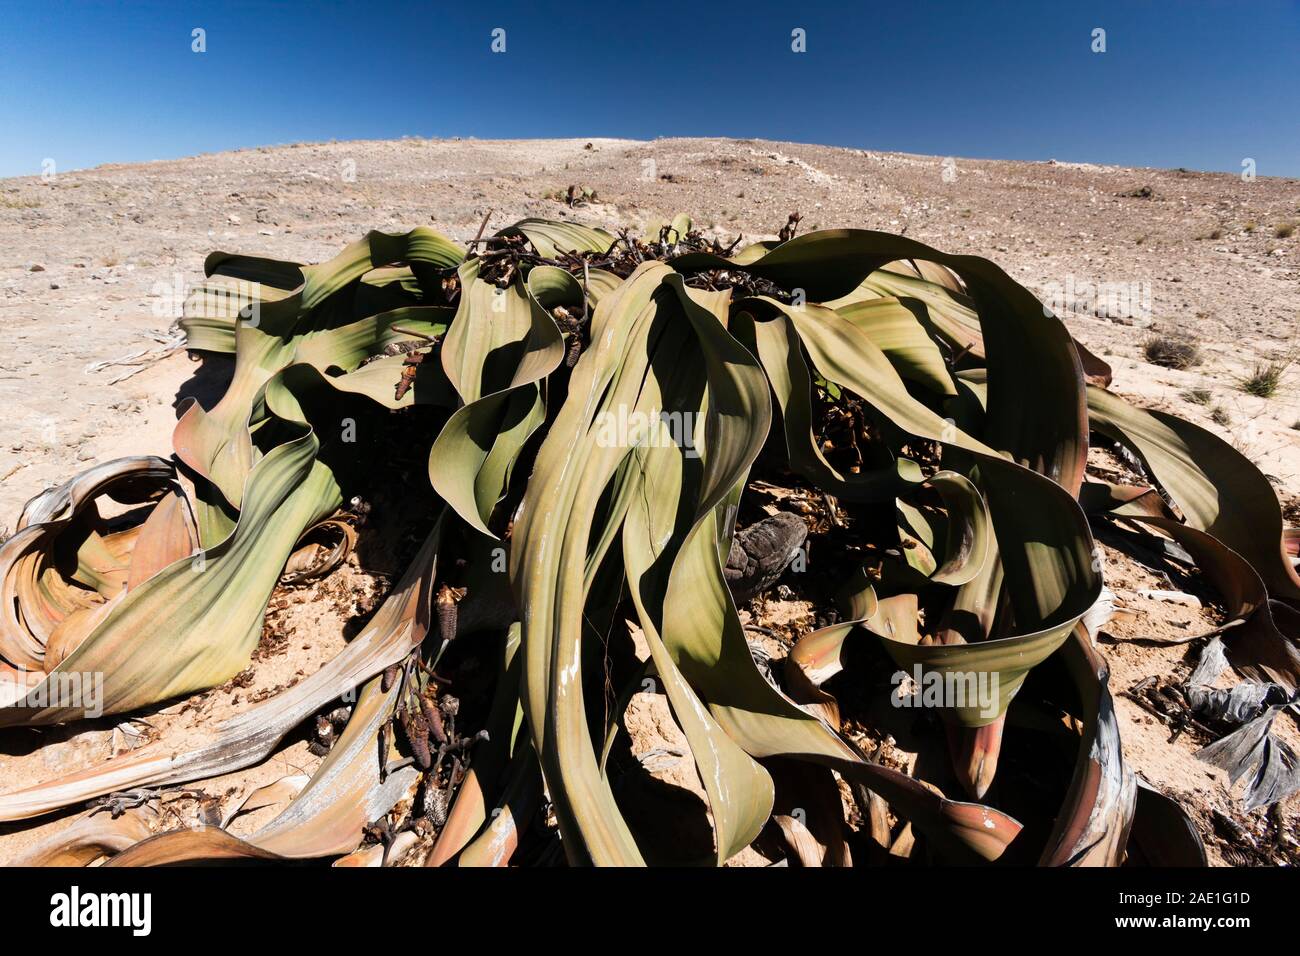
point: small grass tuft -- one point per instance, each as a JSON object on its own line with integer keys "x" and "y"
{"x": 1263, "y": 382}
{"x": 1178, "y": 352}
{"x": 1285, "y": 230}
{"x": 1198, "y": 396}
{"x": 1219, "y": 415}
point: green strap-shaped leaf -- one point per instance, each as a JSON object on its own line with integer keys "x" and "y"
{"x": 551, "y": 238}
{"x": 897, "y": 328}
{"x": 247, "y": 738}
{"x": 194, "y": 624}
{"x": 676, "y": 489}
{"x": 778, "y": 347}
{"x": 969, "y": 533}
{"x": 702, "y": 629}
{"x": 500, "y": 346}
{"x": 1047, "y": 569}
{"x": 550, "y": 564}
{"x": 1037, "y": 409}
{"x": 1216, "y": 487}
{"x": 216, "y": 444}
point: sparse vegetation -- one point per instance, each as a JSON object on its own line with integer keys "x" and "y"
{"x": 1172, "y": 351}
{"x": 1220, "y": 416}
{"x": 574, "y": 196}
{"x": 1285, "y": 230}
{"x": 1198, "y": 396}
{"x": 1263, "y": 382}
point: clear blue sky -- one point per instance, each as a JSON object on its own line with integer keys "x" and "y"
{"x": 1195, "y": 84}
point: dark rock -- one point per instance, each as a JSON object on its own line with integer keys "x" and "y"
{"x": 761, "y": 553}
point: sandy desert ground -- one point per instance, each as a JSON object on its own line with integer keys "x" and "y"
{"x": 94, "y": 267}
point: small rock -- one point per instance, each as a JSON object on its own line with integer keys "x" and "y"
{"x": 760, "y": 553}
{"x": 36, "y": 267}
{"x": 54, "y": 285}
{"x": 233, "y": 219}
